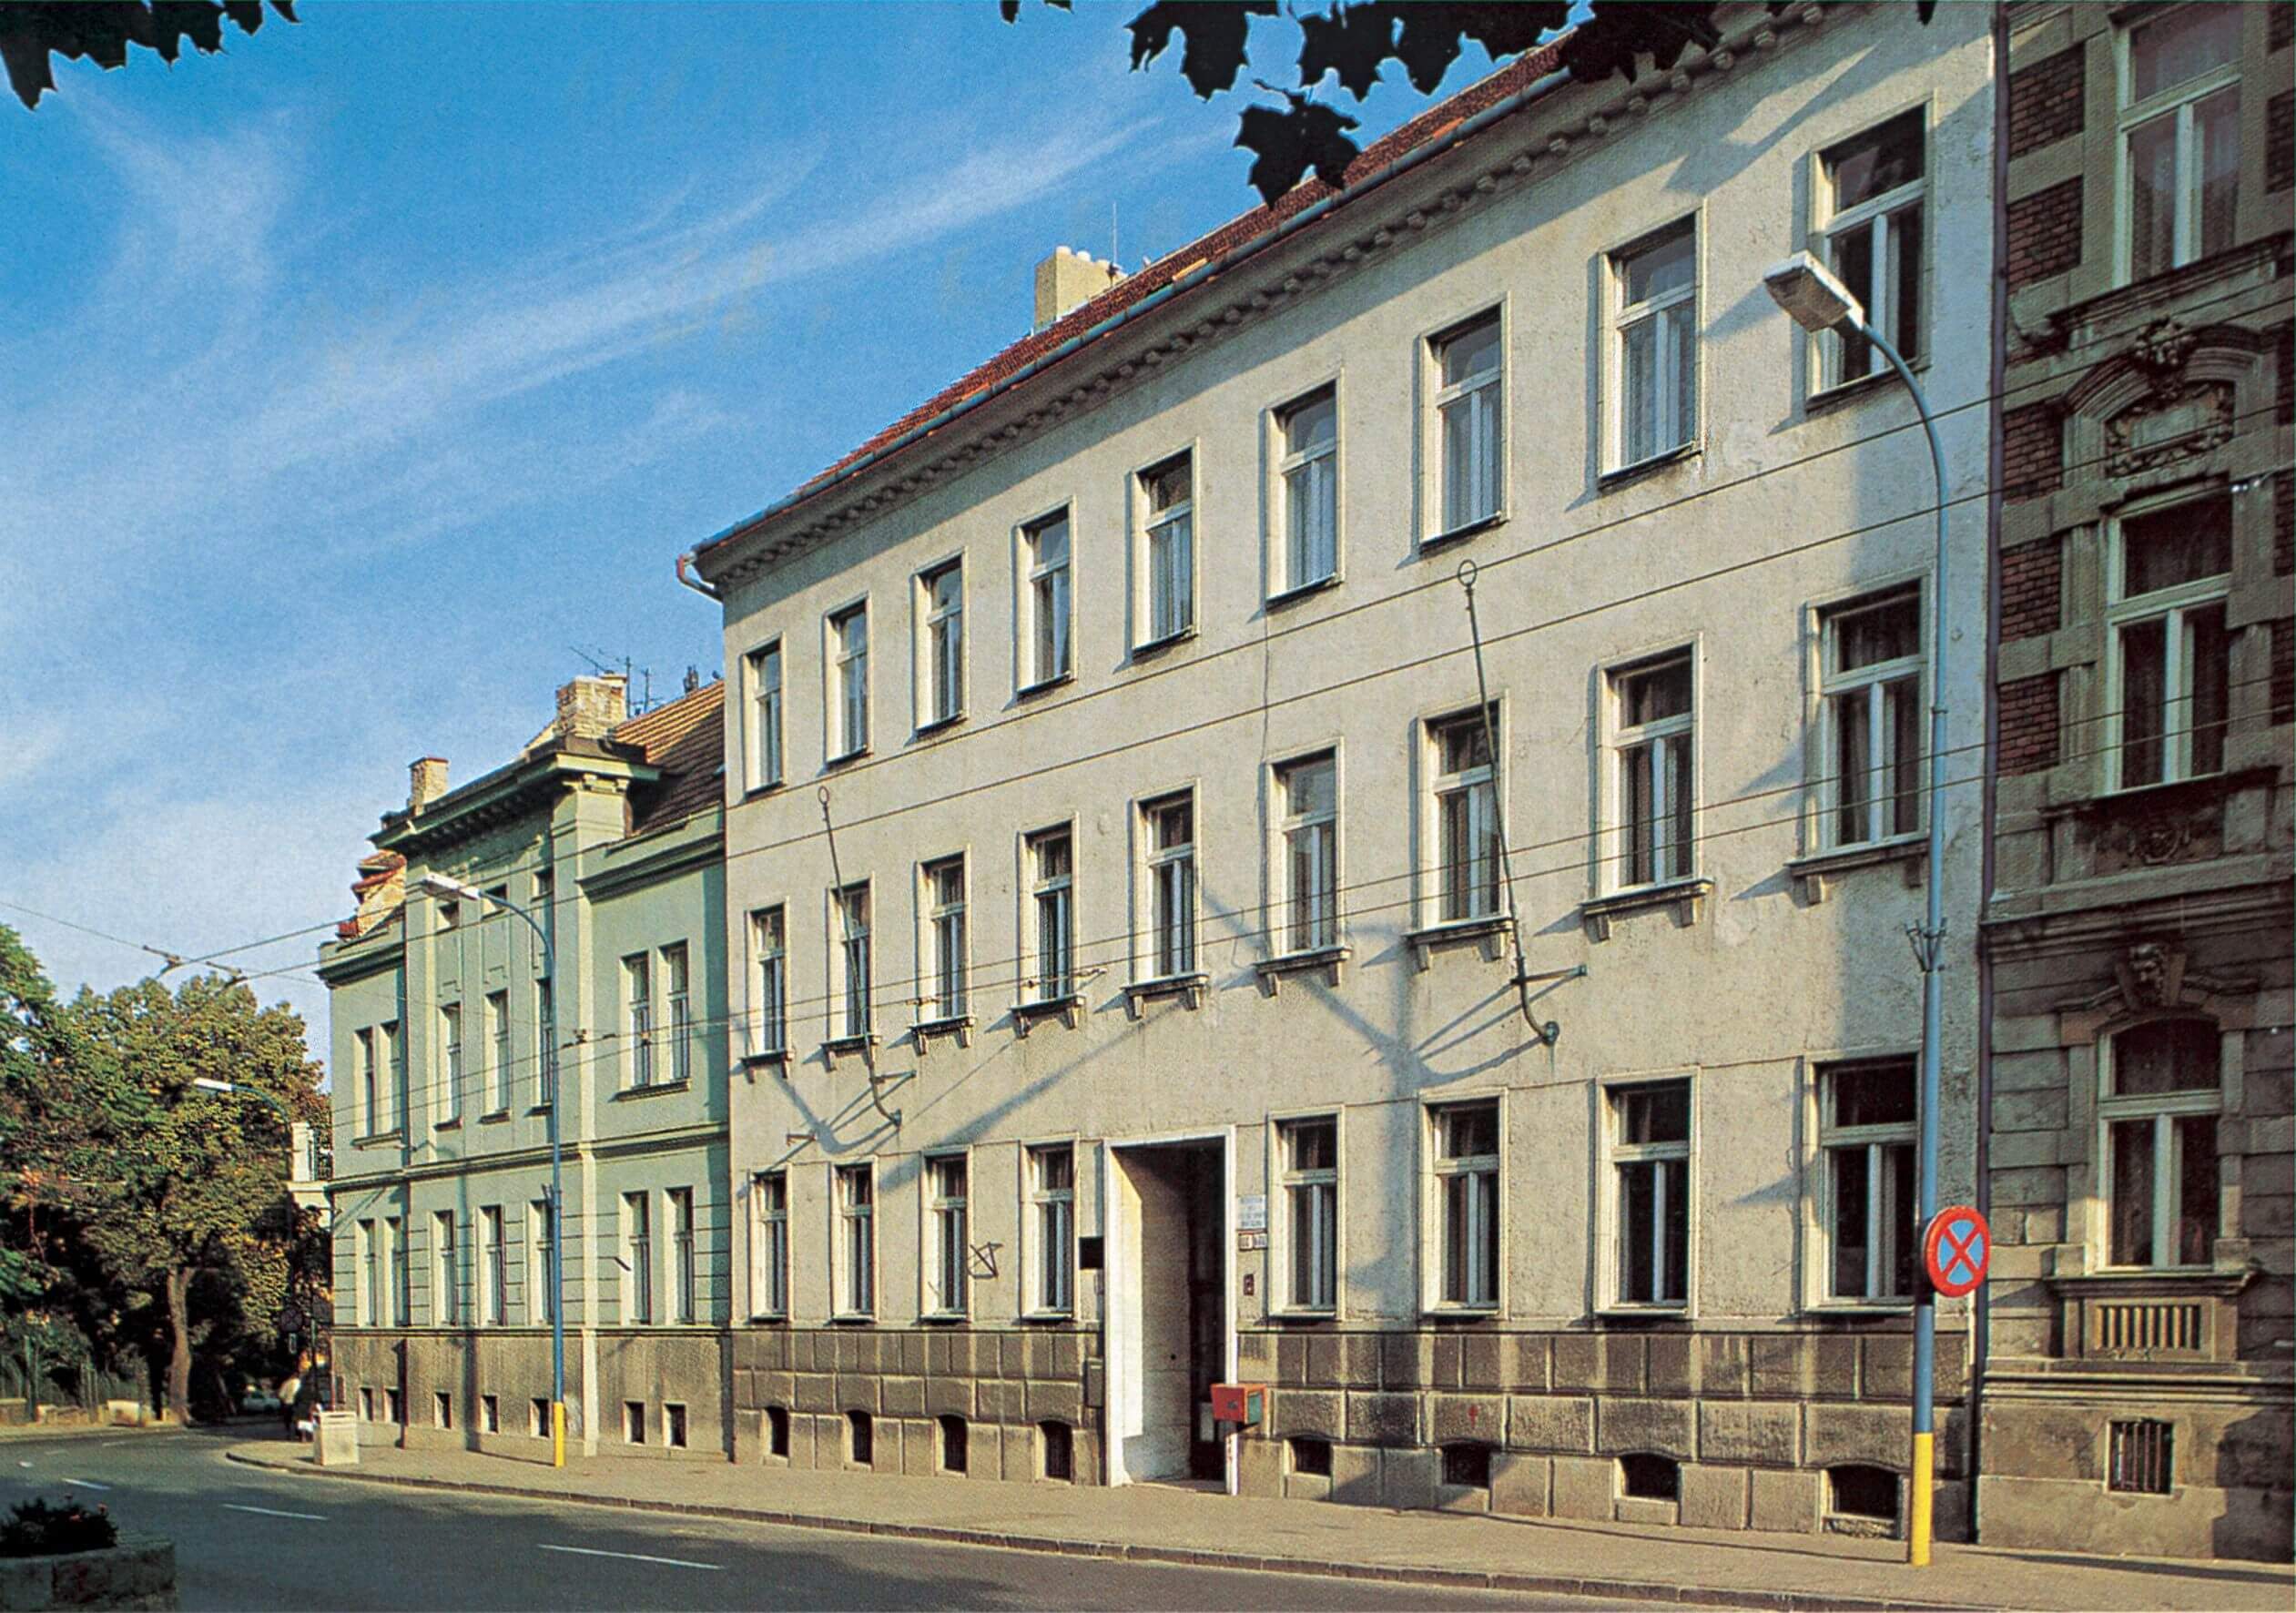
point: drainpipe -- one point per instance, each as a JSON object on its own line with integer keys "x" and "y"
{"x": 687, "y": 576}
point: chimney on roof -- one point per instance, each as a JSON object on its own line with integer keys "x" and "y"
{"x": 1069, "y": 279}
{"x": 426, "y": 782}
{"x": 589, "y": 706}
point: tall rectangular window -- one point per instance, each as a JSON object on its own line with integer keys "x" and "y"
{"x": 371, "y": 1110}
{"x": 370, "y": 1307}
{"x": 944, "y": 883}
{"x": 851, "y": 905}
{"x": 2164, "y": 1088}
{"x": 677, "y": 1004}
{"x": 1308, "y": 1154}
{"x": 1308, "y": 798}
{"x": 1466, "y": 1183}
{"x": 765, "y": 718}
{"x": 849, "y": 681}
{"x": 1167, "y": 494}
{"x": 1656, "y": 804}
{"x": 946, "y": 1180}
{"x": 1053, "y": 1205}
{"x": 1650, "y": 1155}
{"x": 685, "y": 1276}
{"x": 399, "y": 1282}
{"x": 394, "y": 1055}
{"x": 637, "y": 1018}
{"x": 2171, "y": 650}
{"x": 545, "y": 1046}
{"x": 1044, "y": 550}
{"x": 1866, "y": 1119}
{"x": 857, "y": 1249}
{"x": 1052, "y": 892}
{"x": 1869, "y": 692}
{"x": 545, "y": 900}
{"x": 1465, "y": 802}
{"x": 542, "y": 1280}
{"x": 769, "y": 1244}
{"x": 494, "y": 1268}
{"x": 1170, "y": 828}
{"x": 1654, "y": 345}
{"x": 769, "y": 971}
{"x": 447, "y": 1275}
{"x": 638, "y": 1259}
{"x": 450, "y": 1095}
{"x": 1309, "y": 473}
{"x": 2180, "y": 136}
{"x": 1873, "y": 187}
{"x": 497, "y": 1051}
{"x": 941, "y": 682}
{"x": 1468, "y": 414}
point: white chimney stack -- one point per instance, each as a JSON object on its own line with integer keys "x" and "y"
{"x": 1068, "y": 280}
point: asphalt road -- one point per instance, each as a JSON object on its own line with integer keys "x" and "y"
{"x": 250, "y": 1539}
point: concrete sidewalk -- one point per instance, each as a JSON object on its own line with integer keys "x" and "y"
{"x": 1156, "y": 1522}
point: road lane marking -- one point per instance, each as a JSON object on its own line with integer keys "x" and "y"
{"x": 87, "y": 1484}
{"x": 273, "y": 1512}
{"x": 635, "y": 1556}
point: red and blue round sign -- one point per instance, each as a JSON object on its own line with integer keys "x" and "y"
{"x": 1956, "y": 1250}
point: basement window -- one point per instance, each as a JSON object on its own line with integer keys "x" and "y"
{"x": 1859, "y": 1490}
{"x": 634, "y": 1422}
{"x": 490, "y": 1415}
{"x": 777, "y": 1432}
{"x": 1468, "y": 1465}
{"x": 1312, "y": 1457}
{"x": 443, "y": 1409}
{"x": 1057, "y": 1443}
{"x": 861, "y": 1430}
{"x": 954, "y": 1438}
{"x": 2143, "y": 1457}
{"x": 674, "y": 1425}
{"x": 1644, "y": 1477}
{"x": 538, "y": 1417}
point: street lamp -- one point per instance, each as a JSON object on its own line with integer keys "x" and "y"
{"x": 207, "y": 1083}
{"x": 439, "y": 885}
{"x": 1819, "y": 302}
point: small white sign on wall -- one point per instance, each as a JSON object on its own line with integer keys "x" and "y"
{"x": 1251, "y": 1212}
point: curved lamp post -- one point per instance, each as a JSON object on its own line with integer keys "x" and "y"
{"x": 439, "y": 885}
{"x": 1819, "y": 302}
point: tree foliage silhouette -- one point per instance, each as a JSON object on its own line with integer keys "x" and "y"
{"x": 101, "y": 31}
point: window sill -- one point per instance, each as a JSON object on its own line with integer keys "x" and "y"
{"x": 651, "y": 1090}
{"x": 853, "y": 1319}
{"x": 1460, "y": 535}
{"x": 778, "y": 1056}
{"x": 1069, "y": 1009}
{"x": 1322, "y": 960}
{"x": 1813, "y": 873}
{"x": 493, "y": 1117}
{"x": 759, "y": 792}
{"x": 1189, "y": 988}
{"x": 539, "y": 1109}
{"x": 1156, "y": 646}
{"x": 942, "y": 1318}
{"x": 1843, "y": 392}
{"x": 1305, "y": 1318}
{"x": 1046, "y": 1318}
{"x": 1629, "y": 1311}
{"x": 938, "y": 726}
{"x": 1446, "y": 1312}
{"x": 2118, "y": 1281}
{"x": 770, "y": 1319}
{"x": 454, "y": 1123}
{"x": 1044, "y": 686}
{"x": 863, "y": 1043}
{"x": 1293, "y": 595}
{"x": 1860, "y": 1310}
{"x": 958, "y": 1026}
{"x": 847, "y": 757}
{"x": 1686, "y": 897}
{"x": 1490, "y": 932}
{"x": 377, "y": 1139}
{"x": 1610, "y": 481}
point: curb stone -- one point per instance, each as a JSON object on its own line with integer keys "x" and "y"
{"x": 1778, "y": 1601}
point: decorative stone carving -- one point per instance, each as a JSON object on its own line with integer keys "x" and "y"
{"x": 2148, "y": 976}
{"x": 2161, "y": 350}
{"x": 2166, "y": 833}
{"x": 2169, "y": 426}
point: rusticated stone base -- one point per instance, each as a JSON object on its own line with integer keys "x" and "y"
{"x": 136, "y": 1573}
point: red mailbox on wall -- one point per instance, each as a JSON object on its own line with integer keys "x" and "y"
{"x": 1244, "y": 1405}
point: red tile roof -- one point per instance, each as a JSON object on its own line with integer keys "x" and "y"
{"x": 686, "y": 740}
{"x": 1432, "y": 125}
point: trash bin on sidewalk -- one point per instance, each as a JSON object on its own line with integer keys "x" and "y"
{"x": 337, "y": 1443}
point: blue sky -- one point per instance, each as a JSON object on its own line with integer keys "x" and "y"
{"x": 356, "y": 376}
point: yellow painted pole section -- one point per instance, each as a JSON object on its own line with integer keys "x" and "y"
{"x": 558, "y": 1454}
{"x": 1924, "y": 1476}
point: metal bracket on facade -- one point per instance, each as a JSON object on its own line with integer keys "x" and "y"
{"x": 892, "y": 1116}
{"x": 984, "y": 1261}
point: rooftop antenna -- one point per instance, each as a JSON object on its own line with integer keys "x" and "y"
{"x": 1111, "y": 235}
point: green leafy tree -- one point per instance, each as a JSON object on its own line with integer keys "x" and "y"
{"x": 102, "y": 31}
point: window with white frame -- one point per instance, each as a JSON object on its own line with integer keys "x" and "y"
{"x": 849, "y": 682}
{"x": 769, "y": 1244}
{"x": 857, "y": 1243}
{"x": 1045, "y": 604}
{"x": 545, "y": 896}
{"x": 1650, "y": 1160}
{"x": 1867, "y": 1115}
{"x": 940, "y": 694}
{"x": 1053, "y": 1233}
{"x": 1654, "y": 345}
{"x": 638, "y": 1259}
{"x": 1467, "y": 1191}
{"x": 447, "y": 1281}
{"x": 1308, "y": 475}
{"x": 677, "y": 1005}
{"x": 764, "y": 751}
{"x": 637, "y": 1021}
{"x": 1308, "y": 796}
{"x": 1053, "y": 894}
{"x": 1170, "y": 833}
{"x": 946, "y": 1283}
{"x": 370, "y": 1078}
{"x": 1167, "y": 498}
{"x": 945, "y": 923}
{"x": 769, "y": 975}
{"x": 545, "y": 1046}
{"x": 850, "y": 909}
{"x": 1464, "y": 798}
{"x": 2164, "y": 1085}
{"x": 1469, "y": 421}
{"x": 370, "y": 1306}
{"x": 1870, "y": 673}
{"x": 493, "y": 1268}
{"x": 394, "y": 1054}
{"x": 401, "y": 1279}
{"x": 2179, "y": 137}
{"x": 1308, "y": 1159}
{"x": 497, "y": 1051}
{"x": 541, "y": 1279}
{"x": 2171, "y": 667}
{"x": 685, "y": 1275}
{"x": 1874, "y": 185}
{"x": 450, "y": 1092}
{"x": 1654, "y": 806}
